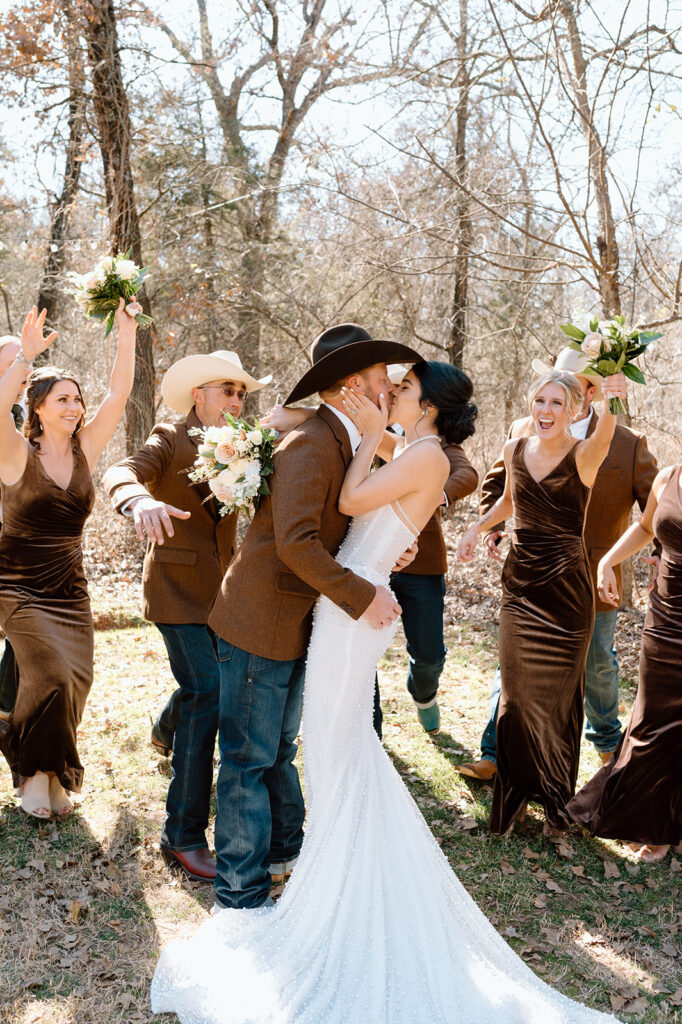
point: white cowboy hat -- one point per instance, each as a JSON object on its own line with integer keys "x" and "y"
{"x": 572, "y": 361}
{"x": 396, "y": 372}
{"x": 193, "y": 371}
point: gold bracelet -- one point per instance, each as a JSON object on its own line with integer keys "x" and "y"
{"x": 23, "y": 361}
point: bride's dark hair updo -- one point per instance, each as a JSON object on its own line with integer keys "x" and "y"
{"x": 448, "y": 389}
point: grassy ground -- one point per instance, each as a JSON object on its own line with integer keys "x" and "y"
{"x": 86, "y": 906}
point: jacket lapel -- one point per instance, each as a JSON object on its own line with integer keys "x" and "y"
{"x": 594, "y": 419}
{"x": 339, "y": 431}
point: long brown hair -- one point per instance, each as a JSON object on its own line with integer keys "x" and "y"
{"x": 40, "y": 384}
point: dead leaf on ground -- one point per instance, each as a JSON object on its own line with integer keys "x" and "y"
{"x": 611, "y": 869}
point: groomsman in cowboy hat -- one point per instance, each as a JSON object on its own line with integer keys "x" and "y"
{"x": 625, "y": 477}
{"x": 263, "y": 617}
{"x": 10, "y": 347}
{"x": 189, "y": 547}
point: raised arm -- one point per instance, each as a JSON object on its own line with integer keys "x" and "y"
{"x": 13, "y": 445}
{"x": 633, "y": 540}
{"x": 497, "y": 512}
{"x": 98, "y": 431}
{"x": 591, "y": 453}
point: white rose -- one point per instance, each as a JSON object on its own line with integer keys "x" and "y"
{"x": 591, "y": 344}
{"x": 240, "y": 467}
{"x": 104, "y": 267}
{"x": 255, "y": 437}
{"x": 225, "y": 434}
{"x": 126, "y": 270}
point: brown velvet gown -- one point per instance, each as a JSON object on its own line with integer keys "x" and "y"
{"x": 45, "y": 611}
{"x": 546, "y": 623}
{"x": 637, "y": 796}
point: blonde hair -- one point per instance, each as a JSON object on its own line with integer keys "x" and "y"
{"x": 568, "y": 382}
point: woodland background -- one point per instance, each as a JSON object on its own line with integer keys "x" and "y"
{"x": 462, "y": 176}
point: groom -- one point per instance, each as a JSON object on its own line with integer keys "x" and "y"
{"x": 263, "y": 616}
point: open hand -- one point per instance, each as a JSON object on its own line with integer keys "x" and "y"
{"x": 32, "y": 340}
{"x": 281, "y": 419}
{"x": 408, "y": 556}
{"x": 367, "y": 417}
{"x": 152, "y": 517}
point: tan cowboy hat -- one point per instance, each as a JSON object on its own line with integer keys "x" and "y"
{"x": 396, "y": 372}
{"x": 343, "y": 350}
{"x": 193, "y": 371}
{"x": 572, "y": 361}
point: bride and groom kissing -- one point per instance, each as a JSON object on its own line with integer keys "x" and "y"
{"x": 341, "y": 946}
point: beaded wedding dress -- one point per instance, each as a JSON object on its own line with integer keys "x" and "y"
{"x": 373, "y": 926}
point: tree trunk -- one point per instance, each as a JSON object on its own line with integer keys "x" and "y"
{"x": 48, "y": 294}
{"x": 607, "y": 245}
{"x": 115, "y": 139}
{"x": 458, "y": 314}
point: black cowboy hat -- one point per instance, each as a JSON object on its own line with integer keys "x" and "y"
{"x": 343, "y": 350}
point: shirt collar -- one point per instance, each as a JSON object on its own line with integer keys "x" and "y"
{"x": 354, "y": 435}
{"x": 579, "y": 429}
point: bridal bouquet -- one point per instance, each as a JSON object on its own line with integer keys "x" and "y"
{"x": 98, "y": 292}
{"x": 236, "y": 461}
{"x": 610, "y": 347}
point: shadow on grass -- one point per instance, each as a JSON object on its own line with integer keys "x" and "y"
{"x": 83, "y": 938}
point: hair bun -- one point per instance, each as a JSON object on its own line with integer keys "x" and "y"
{"x": 454, "y": 427}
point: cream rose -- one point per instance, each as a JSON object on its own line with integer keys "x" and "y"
{"x": 255, "y": 437}
{"x": 222, "y": 485}
{"x": 224, "y": 452}
{"x": 126, "y": 270}
{"x": 591, "y": 344}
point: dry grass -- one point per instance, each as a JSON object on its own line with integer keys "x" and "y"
{"x": 85, "y": 906}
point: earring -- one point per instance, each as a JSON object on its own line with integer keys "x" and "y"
{"x": 423, "y": 412}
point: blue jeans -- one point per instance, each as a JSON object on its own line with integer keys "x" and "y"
{"x": 422, "y": 601}
{"x": 602, "y": 727}
{"x": 194, "y": 664}
{"x": 260, "y": 804}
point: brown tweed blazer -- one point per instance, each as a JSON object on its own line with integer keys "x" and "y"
{"x": 625, "y": 476}
{"x": 265, "y": 603}
{"x": 432, "y": 557}
{"x": 181, "y": 577}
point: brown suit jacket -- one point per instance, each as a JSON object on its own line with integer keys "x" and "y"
{"x": 181, "y": 577}
{"x": 625, "y": 476}
{"x": 432, "y": 557}
{"x": 265, "y": 603}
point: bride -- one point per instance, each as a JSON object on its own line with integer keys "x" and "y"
{"x": 373, "y": 927}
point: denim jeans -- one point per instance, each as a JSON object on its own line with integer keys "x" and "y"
{"x": 422, "y": 601}
{"x": 168, "y": 718}
{"x": 194, "y": 664}
{"x": 8, "y": 679}
{"x": 260, "y": 804}
{"x": 602, "y": 727}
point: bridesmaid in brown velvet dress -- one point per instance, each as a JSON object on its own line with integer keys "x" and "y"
{"x": 47, "y": 494}
{"x": 637, "y": 796}
{"x": 548, "y": 604}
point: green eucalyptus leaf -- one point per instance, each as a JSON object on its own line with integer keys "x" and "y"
{"x": 573, "y": 332}
{"x": 634, "y": 373}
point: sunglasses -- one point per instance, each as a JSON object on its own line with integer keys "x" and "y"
{"x": 229, "y": 390}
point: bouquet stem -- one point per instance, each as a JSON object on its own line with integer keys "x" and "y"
{"x": 616, "y": 407}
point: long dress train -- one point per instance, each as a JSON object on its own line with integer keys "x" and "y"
{"x": 45, "y": 612}
{"x": 637, "y": 796}
{"x": 373, "y": 927}
{"x": 546, "y": 623}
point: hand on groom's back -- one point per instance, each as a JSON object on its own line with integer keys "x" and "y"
{"x": 383, "y": 609}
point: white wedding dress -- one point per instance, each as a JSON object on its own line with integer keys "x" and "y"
{"x": 373, "y": 926}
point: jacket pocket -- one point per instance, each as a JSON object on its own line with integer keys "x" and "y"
{"x": 288, "y": 583}
{"x": 180, "y": 556}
